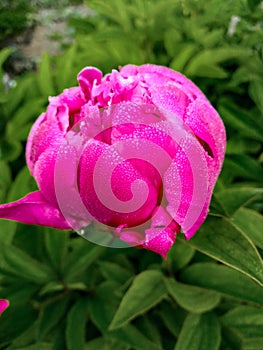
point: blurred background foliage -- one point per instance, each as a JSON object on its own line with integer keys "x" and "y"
{"x": 66, "y": 293}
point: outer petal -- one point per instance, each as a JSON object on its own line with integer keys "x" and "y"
{"x": 33, "y": 209}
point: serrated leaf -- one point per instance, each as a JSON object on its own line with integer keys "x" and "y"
{"x": 224, "y": 280}
{"x": 191, "y": 298}
{"x": 76, "y": 325}
{"x": 146, "y": 291}
{"x": 250, "y": 222}
{"x": 199, "y": 332}
{"x": 221, "y": 240}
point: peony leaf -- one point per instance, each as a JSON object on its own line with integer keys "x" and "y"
{"x": 191, "y": 298}
{"x": 146, "y": 291}
{"x": 221, "y": 240}
{"x": 224, "y": 280}
{"x": 199, "y": 332}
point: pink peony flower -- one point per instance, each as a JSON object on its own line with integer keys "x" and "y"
{"x": 137, "y": 151}
{"x": 3, "y": 305}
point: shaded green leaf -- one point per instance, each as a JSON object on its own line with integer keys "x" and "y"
{"x": 200, "y": 331}
{"x": 247, "y": 320}
{"x": 76, "y": 325}
{"x": 24, "y": 266}
{"x": 50, "y": 316}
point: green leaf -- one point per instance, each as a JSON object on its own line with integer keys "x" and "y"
{"x": 38, "y": 346}
{"x": 80, "y": 259}
{"x": 247, "y": 320}
{"x": 5, "y": 180}
{"x": 23, "y": 316}
{"x": 76, "y": 325}
{"x": 242, "y": 196}
{"x": 44, "y": 76}
{"x": 113, "y": 271}
{"x": 199, "y": 332}
{"x": 50, "y": 316}
{"x": 250, "y": 222}
{"x": 224, "y": 280}
{"x": 221, "y": 240}
{"x": 131, "y": 336}
{"x": 179, "y": 255}
{"x": 23, "y": 184}
{"x": 103, "y": 304}
{"x": 182, "y": 56}
{"x": 56, "y": 243}
{"x": 146, "y": 291}
{"x": 66, "y": 64}
{"x": 240, "y": 119}
{"x": 24, "y": 266}
{"x": 205, "y": 63}
{"x": 172, "y": 317}
{"x": 243, "y": 166}
{"x": 24, "y": 339}
{"x": 191, "y": 298}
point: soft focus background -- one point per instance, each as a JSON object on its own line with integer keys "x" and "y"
{"x": 66, "y": 293}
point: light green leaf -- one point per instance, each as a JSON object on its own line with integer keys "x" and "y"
{"x": 191, "y": 298}
{"x": 199, "y": 332}
{"x": 76, "y": 325}
{"x": 250, "y": 222}
{"x": 224, "y": 280}
{"x": 146, "y": 291}
{"x": 221, "y": 240}
{"x": 44, "y": 76}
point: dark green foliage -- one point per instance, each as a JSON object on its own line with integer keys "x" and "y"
{"x": 67, "y": 293}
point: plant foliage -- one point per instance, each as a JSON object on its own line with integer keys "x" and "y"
{"x": 66, "y": 293}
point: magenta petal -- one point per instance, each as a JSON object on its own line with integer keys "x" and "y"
{"x": 3, "y": 305}
{"x": 33, "y": 209}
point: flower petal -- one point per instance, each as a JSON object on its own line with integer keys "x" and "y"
{"x": 33, "y": 209}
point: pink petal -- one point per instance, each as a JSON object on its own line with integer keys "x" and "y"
{"x": 33, "y": 209}
{"x": 3, "y": 305}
